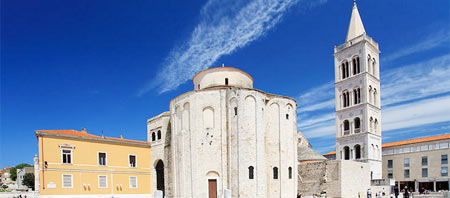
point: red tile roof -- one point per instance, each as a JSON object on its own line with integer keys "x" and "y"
{"x": 404, "y": 142}
{"x": 417, "y": 140}
{"x": 330, "y": 153}
{"x": 83, "y": 134}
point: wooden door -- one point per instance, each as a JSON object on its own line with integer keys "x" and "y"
{"x": 212, "y": 186}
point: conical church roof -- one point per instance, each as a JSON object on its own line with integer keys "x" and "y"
{"x": 356, "y": 27}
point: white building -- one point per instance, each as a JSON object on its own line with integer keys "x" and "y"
{"x": 357, "y": 90}
{"x": 225, "y": 135}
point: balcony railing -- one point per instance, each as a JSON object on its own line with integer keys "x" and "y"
{"x": 357, "y": 130}
{"x": 347, "y": 132}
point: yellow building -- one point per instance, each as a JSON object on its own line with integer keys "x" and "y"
{"x": 79, "y": 164}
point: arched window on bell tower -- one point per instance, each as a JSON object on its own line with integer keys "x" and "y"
{"x": 357, "y": 125}
{"x": 345, "y": 70}
{"x": 356, "y": 66}
{"x": 346, "y": 127}
{"x": 357, "y": 95}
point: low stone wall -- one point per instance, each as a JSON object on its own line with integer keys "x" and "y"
{"x": 17, "y": 194}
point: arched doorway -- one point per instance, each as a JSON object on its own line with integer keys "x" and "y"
{"x": 160, "y": 176}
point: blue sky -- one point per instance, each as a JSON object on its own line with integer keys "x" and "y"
{"x": 110, "y": 65}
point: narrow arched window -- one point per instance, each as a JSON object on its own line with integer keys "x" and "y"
{"x": 275, "y": 173}
{"x": 357, "y": 95}
{"x": 345, "y": 70}
{"x": 369, "y": 64}
{"x": 374, "y": 67}
{"x": 357, "y": 151}
{"x": 287, "y": 116}
{"x": 226, "y": 81}
{"x": 375, "y": 96}
{"x": 371, "y": 124}
{"x": 346, "y": 97}
{"x": 153, "y": 136}
{"x": 357, "y": 125}
{"x": 370, "y": 94}
{"x": 159, "y": 134}
{"x": 356, "y": 67}
{"x": 250, "y": 172}
{"x": 346, "y": 127}
{"x": 290, "y": 172}
{"x": 375, "y": 126}
{"x": 235, "y": 110}
{"x": 346, "y": 153}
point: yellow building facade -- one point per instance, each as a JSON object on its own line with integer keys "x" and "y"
{"x": 77, "y": 164}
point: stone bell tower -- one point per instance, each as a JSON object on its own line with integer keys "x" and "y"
{"x": 357, "y": 91}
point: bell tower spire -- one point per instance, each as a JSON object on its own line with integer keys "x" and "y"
{"x": 356, "y": 27}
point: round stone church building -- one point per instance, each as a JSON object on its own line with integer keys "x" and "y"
{"x": 225, "y": 139}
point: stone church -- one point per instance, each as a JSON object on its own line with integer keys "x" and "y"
{"x": 225, "y": 139}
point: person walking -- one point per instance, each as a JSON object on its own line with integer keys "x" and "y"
{"x": 369, "y": 193}
{"x": 396, "y": 192}
{"x": 406, "y": 195}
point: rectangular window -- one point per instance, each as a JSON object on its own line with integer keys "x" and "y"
{"x": 424, "y": 172}
{"x": 424, "y": 148}
{"x": 102, "y": 159}
{"x": 102, "y": 181}
{"x": 406, "y": 162}
{"x": 444, "y": 159}
{"x": 66, "y": 156}
{"x": 67, "y": 181}
{"x": 406, "y": 173}
{"x": 132, "y": 161}
{"x": 390, "y": 174}
{"x": 390, "y": 163}
{"x": 424, "y": 160}
{"x": 443, "y": 145}
{"x": 444, "y": 171}
{"x": 133, "y": 182}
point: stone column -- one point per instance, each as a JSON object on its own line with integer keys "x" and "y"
{"x": 416, "y": 186}
{"x": 36, "y": 174}
{"x": 434, "y": 185}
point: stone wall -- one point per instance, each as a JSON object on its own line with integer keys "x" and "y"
{"x": 337, "y": 178}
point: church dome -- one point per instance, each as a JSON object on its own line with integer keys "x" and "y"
{"x": 222, "y": 76}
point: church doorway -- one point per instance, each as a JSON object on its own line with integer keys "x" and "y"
{"x": 160, "y": 176}
{"x": 212, "y": 188}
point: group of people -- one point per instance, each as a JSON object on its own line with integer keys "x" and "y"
{"x": 377, "y": 195}
{"x": 406, "y": 192}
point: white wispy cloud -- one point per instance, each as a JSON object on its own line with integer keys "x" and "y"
{"x": 225, "y": 26}
{"x": 437, "y": 38}
{"x": 416, "y": 81}
{"x": 417, "y": 113}
{"x": 316, "y": 94}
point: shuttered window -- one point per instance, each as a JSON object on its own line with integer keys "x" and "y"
{"x": 102, "y": 181}
{"x": 67, "y": 181}
{"x": 133, "y": 182}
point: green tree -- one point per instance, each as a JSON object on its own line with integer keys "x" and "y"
{"x": 28, "y": 180}
{"x": 13, "y": 170}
